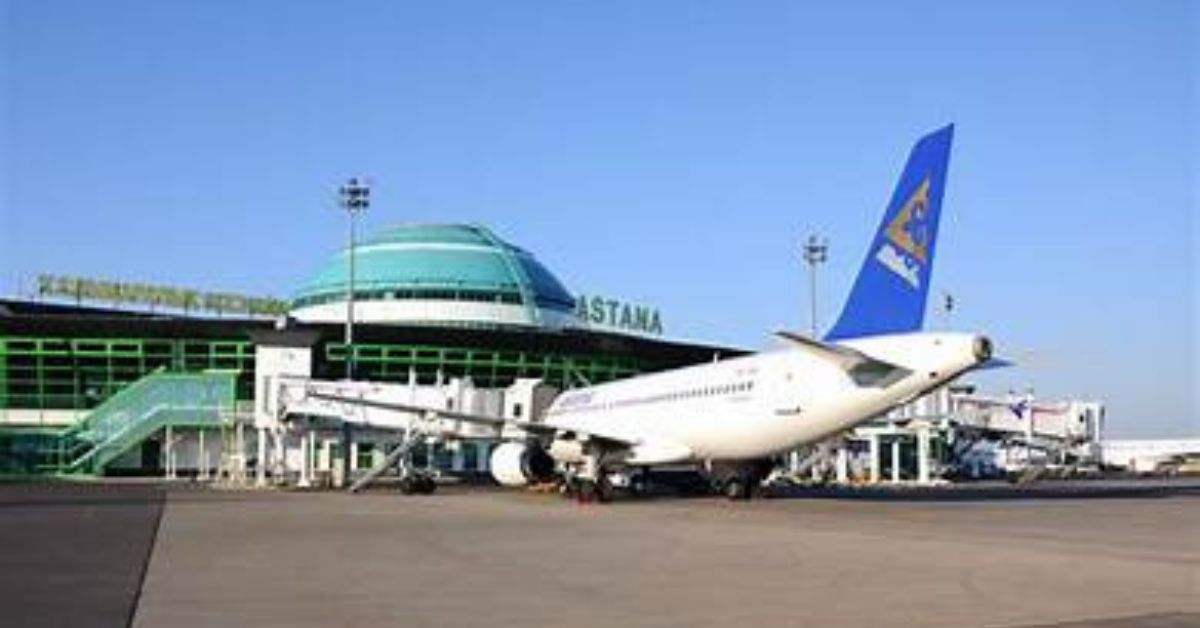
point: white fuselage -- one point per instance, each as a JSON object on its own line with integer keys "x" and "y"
{"x": 760, "y": 405}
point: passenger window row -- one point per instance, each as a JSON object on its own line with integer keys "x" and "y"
{"x": 694, "y": 393}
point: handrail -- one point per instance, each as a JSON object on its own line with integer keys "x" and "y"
{"x": 157, "y": 400}
{"x": 115, "y": 398}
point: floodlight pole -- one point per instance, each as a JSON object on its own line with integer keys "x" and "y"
{"x": 816, "y": 251}
{"x": 355, "y": 198}
{"x": 948, "y": 304}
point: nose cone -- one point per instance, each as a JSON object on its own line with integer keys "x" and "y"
{"x": 982, "y": 347}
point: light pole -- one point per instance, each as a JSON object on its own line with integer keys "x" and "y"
{"x": 816, "y": 251}
{"x": 948, "y": 304}
{"x": 355, "y": 198}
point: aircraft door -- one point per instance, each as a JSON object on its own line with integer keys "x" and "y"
{"x": 783, "y": 389}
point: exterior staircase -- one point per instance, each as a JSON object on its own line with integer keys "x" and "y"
{"x": 135, "y": 413}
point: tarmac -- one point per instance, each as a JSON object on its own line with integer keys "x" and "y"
{"x": 153, "y": 555}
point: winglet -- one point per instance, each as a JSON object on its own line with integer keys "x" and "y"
{"x": 995, "y": 363}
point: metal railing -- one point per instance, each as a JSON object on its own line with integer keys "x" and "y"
{"x": 156, "y": 401}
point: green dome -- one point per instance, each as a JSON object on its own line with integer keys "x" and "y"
{"x": 438, "y": 262}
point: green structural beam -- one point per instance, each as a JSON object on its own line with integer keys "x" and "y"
{"x": 54, "y": 373}
{"x": 487, "y": 368}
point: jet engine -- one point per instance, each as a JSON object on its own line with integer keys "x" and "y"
{"x": 517, "y": 464}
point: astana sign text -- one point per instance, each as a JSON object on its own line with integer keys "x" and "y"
{"x": 604, "y": 312}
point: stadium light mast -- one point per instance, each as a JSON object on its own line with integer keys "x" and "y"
{"x": 355, "y": 197}
{"x": 816, "y": 252}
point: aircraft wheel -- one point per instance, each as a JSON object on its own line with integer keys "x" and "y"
{"x": 639, "y": 485}
{"x": 604, "y": 491}
{"x": 737, "y": 488}
{"x": 585, "y": 491}
{"x": 408, "y": 485}
{"x": 426, "y": 486}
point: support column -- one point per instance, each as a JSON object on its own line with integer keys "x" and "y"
{"x": 875, "y": 461}
{"x": 353, "y": 456}
{"x": 347, "y": 462}
{"x": 305, "y": 480}
{"x": 843, "y": 465}
{"x": 169, "y": 451}
{"x": 201, "y": 457}
{"x": 895, "y": 458}
{"x": 482, "y": 463}
{"x": 923, "y": 455}
{"x": 260, "y": 467}
{"x": 233, "y": 459}
{"x": 312, "y": 456}
{"x": 279, "y": 463}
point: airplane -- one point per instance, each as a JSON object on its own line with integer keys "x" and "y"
{"x": 732, "y": 419}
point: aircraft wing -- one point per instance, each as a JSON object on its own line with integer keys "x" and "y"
{"x": 862, "y": 368}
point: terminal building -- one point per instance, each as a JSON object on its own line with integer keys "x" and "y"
{"x": 433, "y": 304}
{"x": 446, "y": 315}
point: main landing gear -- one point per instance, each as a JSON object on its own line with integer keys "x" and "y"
{"x": 603, "y": 486}
{"x": 587, "y": 491}
{"x": 737, "y": 481}
{"x": 417, "y": 484}
{"x": 740, "y": 482}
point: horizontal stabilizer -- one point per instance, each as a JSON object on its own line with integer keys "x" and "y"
{"x": 864, "y": 369}
{"x": 995, "y": 363}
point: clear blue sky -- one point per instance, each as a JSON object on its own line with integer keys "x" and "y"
{"x": 665, "y": 152}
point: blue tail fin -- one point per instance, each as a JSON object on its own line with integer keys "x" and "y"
{"x": 890, "y": 292}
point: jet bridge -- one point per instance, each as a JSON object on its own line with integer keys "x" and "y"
{"x": 957, "y": 434}
{"x": 301, "y": 398}
{"x": 306, "y": 419}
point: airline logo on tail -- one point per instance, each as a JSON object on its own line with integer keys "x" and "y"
{"x": 892, "y": 286}
{"x": 906, "y": 246}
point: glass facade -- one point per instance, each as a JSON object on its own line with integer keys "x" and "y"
{"x": 487, "y": 368}
{"x": 56, "y": 373}
{"x": 57, "y": 360}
